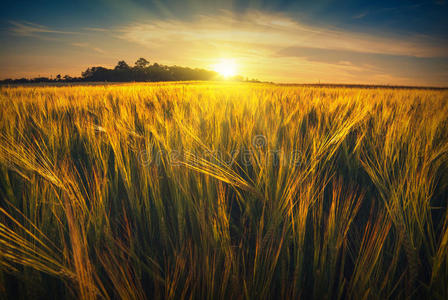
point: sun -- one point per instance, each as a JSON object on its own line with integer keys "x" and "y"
{"x": 226, "y": 67}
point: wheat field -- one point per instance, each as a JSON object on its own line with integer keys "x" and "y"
{"x": 223, "y": 191}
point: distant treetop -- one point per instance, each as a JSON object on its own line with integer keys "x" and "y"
{"x": 142, "y": 71}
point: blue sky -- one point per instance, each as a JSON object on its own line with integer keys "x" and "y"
{"x": 375, "y": 42}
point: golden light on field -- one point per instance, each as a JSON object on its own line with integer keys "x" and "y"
{"x": 291, "y": 156}
{"x": 226, "y": 67}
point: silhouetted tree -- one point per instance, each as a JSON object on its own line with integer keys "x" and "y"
{"x": 97, "y": 74}
{"x": 142, "y": 71}
{"x": 121, "y": 65}
{"x": 141, "y": 63}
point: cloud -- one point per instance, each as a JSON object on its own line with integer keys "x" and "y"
{"x": 88, "y": 46}
{"x": 360, "y": 16}
{"x": 393, "y": 65}
{"x": 34, "y": 30}
{"x": 99, "y": 50}
{"x": 82, "y": 45}
{"x": 96, "y": 29}
{"x": 266, "y": 44}
{"x": 273, "y": 30}
{"x": 28, "y": 29}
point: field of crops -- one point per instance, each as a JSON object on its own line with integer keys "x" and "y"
{"x": 223, "y": 191}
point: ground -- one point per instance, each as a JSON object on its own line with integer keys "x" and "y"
{"x": 223, "y": 190}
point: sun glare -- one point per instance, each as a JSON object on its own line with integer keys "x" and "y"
{"x": 226, "y": 67}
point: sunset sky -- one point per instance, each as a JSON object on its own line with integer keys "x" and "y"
{"x": 370, "y": 42}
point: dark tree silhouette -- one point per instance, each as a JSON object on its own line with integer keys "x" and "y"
{"x": 141, "y": 63}
{"x": 97, "y": 74}
{"x": 122, "y": 72}
{"x": 143, "y": 71}
{"x": 122, "y": 65}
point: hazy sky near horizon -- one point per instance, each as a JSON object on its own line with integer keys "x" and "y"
{"x": 370, "y": 42}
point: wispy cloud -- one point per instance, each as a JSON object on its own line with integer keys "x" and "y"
{"x": 82, "y": 45}
{"x": 96, "y": 29}
{"x": 99, "y": 50}
{"x": 257, "y": 39}
{"x": 34, "y": 30}
{"x": 268, "y": 46}
{"x": 88, "y": 46}
{"x": 28, "y": 29}
{"x": 271, "y": 31}
{"x": 360, "y": 15}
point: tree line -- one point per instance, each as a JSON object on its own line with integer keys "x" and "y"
{"x": 142, "y": 71}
